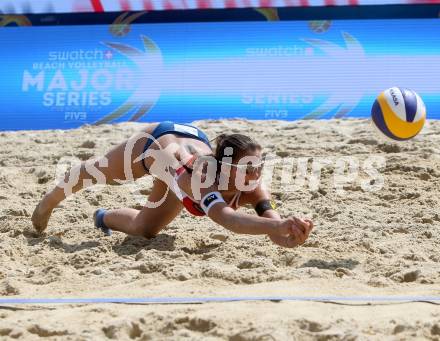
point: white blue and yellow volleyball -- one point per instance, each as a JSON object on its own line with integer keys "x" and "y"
{"x": 399, "y": 113}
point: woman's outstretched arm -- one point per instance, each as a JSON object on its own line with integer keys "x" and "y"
{"x": 243, "y": 223}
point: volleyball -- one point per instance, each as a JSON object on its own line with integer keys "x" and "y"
{"x": 399, "y": 113}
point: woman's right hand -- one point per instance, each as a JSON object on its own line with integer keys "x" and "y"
{"x": 297, "y": 230}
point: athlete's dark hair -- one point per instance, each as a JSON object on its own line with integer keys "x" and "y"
{"x": 240, "y": 144}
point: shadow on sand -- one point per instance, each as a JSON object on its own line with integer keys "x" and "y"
{"x": 349, "y": 264}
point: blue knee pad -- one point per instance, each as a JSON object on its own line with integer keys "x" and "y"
{"x": 99, "y": 221}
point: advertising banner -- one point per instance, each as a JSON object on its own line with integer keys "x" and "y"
{"x": 76, "y": 6}
{"x": 66, "y": 76}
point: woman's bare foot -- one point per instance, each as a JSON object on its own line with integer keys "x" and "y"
{"x": 41, "y": 216}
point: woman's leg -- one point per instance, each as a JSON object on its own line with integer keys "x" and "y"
{"x": 150, "y": 220}
{"x": 111, "y": 167}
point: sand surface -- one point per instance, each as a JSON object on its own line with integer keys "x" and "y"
{"x": 365, "y": 243}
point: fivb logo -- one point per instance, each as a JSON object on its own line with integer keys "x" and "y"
{"x": 209, "y": 199}
{"x": 75, "y": 116}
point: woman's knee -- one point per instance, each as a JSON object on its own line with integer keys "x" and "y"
{"x": 147, "y": 230}
{"x": 149, "y": 234}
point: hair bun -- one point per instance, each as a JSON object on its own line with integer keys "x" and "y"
{"x": 220, "y": 138}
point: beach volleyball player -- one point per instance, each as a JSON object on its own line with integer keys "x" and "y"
{"x": 188, "y": 173}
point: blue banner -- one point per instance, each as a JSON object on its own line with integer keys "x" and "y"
{"x": 66, "y": 76}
